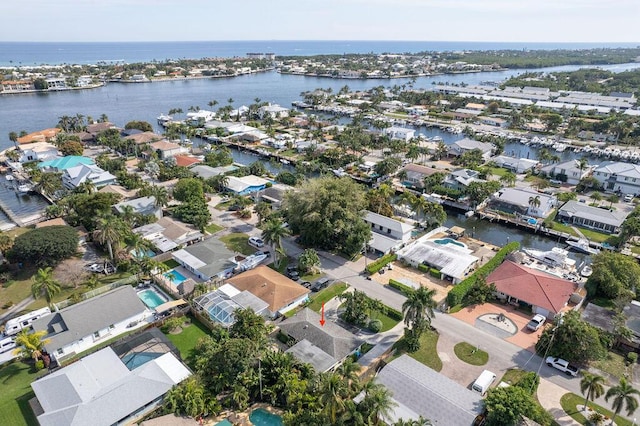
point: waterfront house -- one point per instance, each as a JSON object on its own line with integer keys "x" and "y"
{"x": 325, "y": 347}
{"x": 460, "y": 179}
{"x": 458, "y": 148}
{"x": 144, "y": 138}
{"x": 246, "y": 184}
{"x": 400, "y": 133}
{"x": 167, "y": 234}
{"x": 416, "y": 173}
{"x": 207, "y": 259}
{"x": 220, "y": 304}
{"x": 568, "y": 171}
{"x": 119, "y": 190}
{"x": 581, "y": 214}
{"x": 186, "y": 160}
{"x": 74, "y": 176}
{"x": 523, "y": 202}
{"x": 37, "y": 151}
{"x": 141, "y": 205}
{"x": 16, "y": 86}
{"x": 166, "y": 149}
{"x": 84, "y": 325}
{"x": 452, "y": 259}
{"x": 94, "y": 129}
{"x": 619, "y": 177}
{"x": 63, "y": 163}
{"x": 46, "y": 135}
{"x": 516, "y": 165}
{"x": 101, "y": 389}
{"x": 274, "y": 111}
{"x": 281, "y": 293}
{"x": 421, "y": 392}
{"x": 387, "y": 234}
{"x": 543, "y": 293}
{"x": 206, "y": 172}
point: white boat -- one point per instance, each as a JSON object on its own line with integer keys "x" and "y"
{"x": 164, "y": 118}
{"x": 9, "y": 177}
{"x": 586, "y": 271}
{"x": 556, "y": 257}
{"x": 582, "y": 245}
{"x": 24, "y": 188}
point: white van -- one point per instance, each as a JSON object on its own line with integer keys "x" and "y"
{"x": 6, "y": 344}
{"x": 483, "y": 382}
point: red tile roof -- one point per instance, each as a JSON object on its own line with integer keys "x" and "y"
{"x": 185, "y": 160}
{"x": 532, "y": 286}
{"x": 41, "y": 136}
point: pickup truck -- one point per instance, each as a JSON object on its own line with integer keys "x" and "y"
{"x": 562, "y": 365}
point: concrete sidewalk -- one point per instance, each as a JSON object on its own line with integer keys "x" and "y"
{"x": 549, "y": 395}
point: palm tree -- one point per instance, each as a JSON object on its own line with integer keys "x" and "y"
{"x": 86, "y": 187}
{"x": 591, "y": 387}
{"x": 45, "y": 284}
{"x": 333, "y": 392}
{"x": 420, "y": 422}
{"x": 212, "y": 103}
{"x": 534, "y": 202}
{"x": 273, "y": 231}
{"x": 161, "y": 195}
{"x": 263, "y": 210}
{"x": 377, "y": 402}
{"x": 418, "y": 308}
{"x": 6, "y": 242}
{"x": 623, "y": 395}
{"x": 110, "y": 232}
{"x": 613, "y": 198}
{"x": 596, "y": 196}
{"x": 30, "y": 345}
{"x": 349, "y": 372}
{"x": 509, "y": 179}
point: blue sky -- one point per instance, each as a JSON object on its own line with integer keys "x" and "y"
{"x": 437, "y": 20}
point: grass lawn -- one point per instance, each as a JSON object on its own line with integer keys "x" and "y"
{"x": 427, "y": 354}
{"x": 223, "y": 206}
{"x": 15, "y": 378}
{"x": 596, "y": 236}
{"x": 187, "y": 339}
{"x": 470, "y": 354}
{"x": 513, "y": 376}
{"x": 311, "y": 277}
{"x": 499, "y": 171}
{"x": 171, "y": 263}
{"x": 613, "y": 364}
{"x": 635, "y": 249}
{"x": 17, "y": 288}
{"x": 238, "y": 242}
{"x": 325, "y": 295}
{"x": 387, "y": 322}
{"x": 213, "y": 228}
{"x": 570, "y": 401}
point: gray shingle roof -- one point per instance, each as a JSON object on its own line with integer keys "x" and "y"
{"x": 85, "y": 318}
{"x": 213, "y": 253}
{"x": 581, "y": 210}
{"x": 426, "y": 392}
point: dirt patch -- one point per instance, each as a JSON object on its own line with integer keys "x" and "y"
{"x": 71, "y": 273}
{"x": 405, "y": 274}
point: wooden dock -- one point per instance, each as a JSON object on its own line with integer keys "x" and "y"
{"x": 536, "y": 229}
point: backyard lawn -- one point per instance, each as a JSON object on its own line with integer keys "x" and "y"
{"x": 16, "y": 378}
{"x": 596, "y": 236}
{"x": 238, "y": 242}
{"x": 171, "y": 263}
{"x": 187, "y": 339}
{"x": 325, "y": 295}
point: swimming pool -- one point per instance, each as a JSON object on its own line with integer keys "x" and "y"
{"x": 175, "y": 277}
{"x": 135, "y": 360}
{"x": 225, "y": 422}
{"x": 151, "y": 298}
{"x": 444, "y": 241}
{"x": 262, "y": 417}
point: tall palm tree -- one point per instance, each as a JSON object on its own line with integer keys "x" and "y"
{"x": 349, "y": 372}
{"x": 534, "y": 202}
{"x": 509, "y": 179}
{"x": 418, "y": 308}
{"x": 377, "y": 402}
{"x": 420, "y": 422}
{"x": 110, "y": 231}
{"x": 45, "y": 285}
{"x": 161, "y": 195}
{"x": 591, "y": 387}
{"x": 623, "y": 396}
{"x": 30, "y": 345}
{"x": 273, "y": 231}
{"x": 333, "y": 394}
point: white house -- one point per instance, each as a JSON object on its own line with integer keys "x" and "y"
{"x": 458, "y": 148}
{"x": 387, "y": 234}
{"x": 141, "y": 205}
{"x": 517, "y": 165}
{"x": 274, "y": 111}
{"x": 523, "y": 202}
{"x": 461, "y": 178}
{"x": 101, "y": 390}
{"x": 86, "y": 324}
{"x": 37, "y": 151}
{"x": 206, "y": 259}
{"x": 74, "y": 176}
{"x": 167, "y": 234}
{"x": 570, "y": 169}
{"x": 400, "y": 133}
{"x": 167, "y": 149}
{"x": 619, "y": 177}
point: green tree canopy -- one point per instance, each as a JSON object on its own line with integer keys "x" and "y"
{"x": 44, "y": 246}
{"x": 188, "y": 189}
{"x": 139, "y": 125}
{"x": 612, "y": 274}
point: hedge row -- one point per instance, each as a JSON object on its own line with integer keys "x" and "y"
{"x": 392, "y": 313}
{"x": 374, "y": 267}
{"x": 402, "y": 288}
{"x": 435, "y": 273}
{"x": 423, "y": 268}
{"x": 457, "y": 293}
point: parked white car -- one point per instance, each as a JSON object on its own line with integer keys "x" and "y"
{"x": 536, "y": 322}
{"x": 562, "y": 365}
{"x": 256, "y": 242}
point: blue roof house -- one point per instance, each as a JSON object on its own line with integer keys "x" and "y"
{"x": 64, "y": 163}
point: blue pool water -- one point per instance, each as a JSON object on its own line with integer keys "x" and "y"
{"x": 448, "y": 241}
{"x": 175, "y": 277}
{"x": 151, "y": 298}
{"x": 135, "y": 360}
{"x": 225, "y": 422}
{"x": 262, "y": 417}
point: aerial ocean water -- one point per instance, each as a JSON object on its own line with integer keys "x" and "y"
{"x": 37, "y": 53}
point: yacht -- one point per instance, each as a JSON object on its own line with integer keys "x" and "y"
{"x": 162, "y": 119}
{"x": 25, "y": 188}
{"x": 556, "y": 257}
{"x": 586, "y": 271}
{"x": 9, "y": 177}
{"x": 582, "y": 245}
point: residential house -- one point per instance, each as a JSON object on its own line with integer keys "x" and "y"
{"x": 460, "y": 179}
{"x": 74, "y": 176}
{"x": 167, "y": 234}
{"x": 388, "y": 234}
{"x": 458, "y": 148}
{"x": 275, "y": 194}
{"x": 220, "y": 305}
{"x": 101, "y": 390}
{"x": 84, "y": 325}
{"x": 619, "y": 177}
{"x": 167, "y": 149}
{"x": 494, "y": 121}
{"x": 274, "y": 111}
{"x": 141, "y": 205}
{"x": 568, "y": 169}
{"x": 186, "y": 160}
{"x": 123, "y": 192}
{"x": 400, "y": 133}
{"x": 281, "y": 293}
{"x": 516, "y": 165}
{"x": 63, "y": 163}
{"x": 46, "y": 135}
{"x": 605, "y": 319}
{"x": 416, "y": 173}
{"x": 421, "y": 392}
{"x": 37, "y": 151}
{"x": 325, "y": 347}
{"x": 544, "y": 293}
{"x": 96, "y": 128}
{"x": 453, "y": 259}
{"x": 246, "y": 184}
{"x": 207, "y": 259}
{"x": 523, "y": 202}
{"x": 597, "y": 218}
{"x": 206, "y": 172}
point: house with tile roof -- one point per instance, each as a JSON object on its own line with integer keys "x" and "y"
{"x": 281, "y": 293}
{"x": 419, "y": 391}
{"x": 166, "y": 149}
{"x": 581, "y": 214}
{"x": 186, "y": 160}
{"x": 45, "y": 135}
{"x": 544, "y": 293}
{"x": 324, "y": 347}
